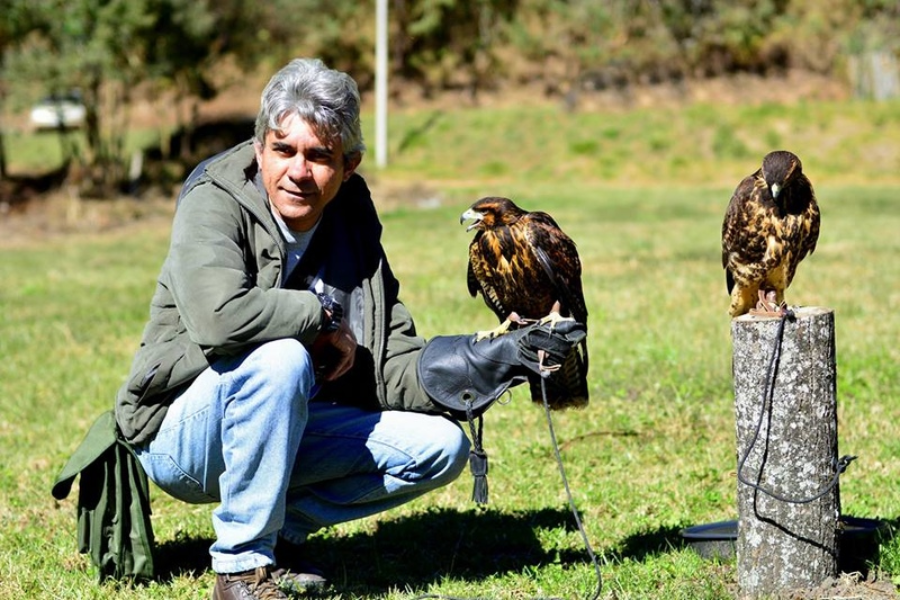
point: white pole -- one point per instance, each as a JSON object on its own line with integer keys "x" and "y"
{"x": 381, "y": 73}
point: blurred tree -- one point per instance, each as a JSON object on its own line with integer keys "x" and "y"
{"x": 727, "y": 36}
{"x": 96, "y": 48}
{"x": 111, "y": 50}
{"x": 82, "y": 45}
{"x": 16, "y": 22}
{"x": 577, "y": 45}
{"x": 340, "y": 32}
{"x": 571, "y": 45}
{"x": 445, "y": 44}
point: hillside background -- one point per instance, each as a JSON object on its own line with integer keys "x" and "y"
{"x": 166, "y": 82}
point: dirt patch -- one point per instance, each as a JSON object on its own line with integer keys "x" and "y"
{"x": 790, "y": 87}
{"x": 44, "y": 215}
{"x": 59, "y": 214}
{"x": 849, "y": 586}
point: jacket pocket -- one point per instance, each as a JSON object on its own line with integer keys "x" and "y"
{"x": 153, "y": 381}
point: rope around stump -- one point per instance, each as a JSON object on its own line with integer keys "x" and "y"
{"x": 768, "y": 394}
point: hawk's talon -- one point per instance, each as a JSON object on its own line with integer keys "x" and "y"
{"x": 554, "y": 318}
{"x": 501, "y": 329}
{"x": 489, "y": 334}
{"x": 768, "y": 305}
{"x": 546, "y": 369}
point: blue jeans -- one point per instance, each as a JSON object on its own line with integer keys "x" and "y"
{"x": 245, "y": 434}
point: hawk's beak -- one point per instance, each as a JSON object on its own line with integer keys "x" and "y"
{"x": 776, "y": 189}
{"x": 471, "y": 214}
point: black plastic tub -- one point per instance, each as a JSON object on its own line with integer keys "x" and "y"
{"x": 858, "y": 540}
{"x": 712, "y": 540}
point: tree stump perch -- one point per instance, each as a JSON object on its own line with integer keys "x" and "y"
{"x": 787, "y": 439}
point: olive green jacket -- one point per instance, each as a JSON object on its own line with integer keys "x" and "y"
{"x": 219, "y": 292}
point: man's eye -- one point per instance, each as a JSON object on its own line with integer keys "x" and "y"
{"x": 283, "y": 150}
{"x": 319, "y": 156}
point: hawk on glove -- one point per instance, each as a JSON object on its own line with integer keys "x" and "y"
{"x": 527, "y": 269}
{"x": 771, "y": 224}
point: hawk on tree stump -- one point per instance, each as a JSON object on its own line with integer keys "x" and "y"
{"x": 771, "y": 224}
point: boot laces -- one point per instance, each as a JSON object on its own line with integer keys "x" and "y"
{"x": 264, "y": 586}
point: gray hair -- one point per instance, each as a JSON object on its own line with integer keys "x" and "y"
{"x": 326, "y": 99}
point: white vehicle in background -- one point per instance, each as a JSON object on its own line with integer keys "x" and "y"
{"x": 55, "y": 111}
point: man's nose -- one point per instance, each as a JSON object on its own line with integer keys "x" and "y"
{"x": 299, "y": 167}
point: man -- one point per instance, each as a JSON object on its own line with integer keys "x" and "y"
{"x": 279, "y": 372}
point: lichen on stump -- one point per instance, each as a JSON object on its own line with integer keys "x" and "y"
{"x": 789, "y": 447}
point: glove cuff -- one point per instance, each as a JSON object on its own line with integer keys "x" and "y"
{"x": 465, "y": 377}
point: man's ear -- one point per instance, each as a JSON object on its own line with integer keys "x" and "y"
{"x": 351, "y": 163}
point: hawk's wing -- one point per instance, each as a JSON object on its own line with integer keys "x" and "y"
{"x": 558, "y": 257}
{"x": 741, "y": 243}
{"x": 480, "y": 277}
{"x": 808, "y": 234}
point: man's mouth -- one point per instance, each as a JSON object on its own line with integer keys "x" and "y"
{"x": 299, "y": 195}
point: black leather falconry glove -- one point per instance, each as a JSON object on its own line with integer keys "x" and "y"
{"x": 465, "y": 377}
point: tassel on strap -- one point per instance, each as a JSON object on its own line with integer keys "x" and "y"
{"x": 478, "y": 459}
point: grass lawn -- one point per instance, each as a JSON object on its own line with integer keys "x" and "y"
{"x": 653, "y": 453}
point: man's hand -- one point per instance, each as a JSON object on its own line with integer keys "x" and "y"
{"x": 333, "y": 353}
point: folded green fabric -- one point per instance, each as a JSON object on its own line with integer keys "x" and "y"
{"x": 113, "y": 502}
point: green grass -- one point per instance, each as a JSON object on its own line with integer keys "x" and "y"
{"x": 703, "y": 144}
{"x": 653, "y": 453}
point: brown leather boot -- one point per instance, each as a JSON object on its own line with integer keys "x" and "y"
{"x": 258, "y": 584}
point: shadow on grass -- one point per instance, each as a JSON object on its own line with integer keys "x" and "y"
{"x": 412, "y": 552}
{"x": 182, "y": 556}
{"x": 639, "y": 546}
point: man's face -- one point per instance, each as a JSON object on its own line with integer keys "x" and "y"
{"x": 300, "y": 172}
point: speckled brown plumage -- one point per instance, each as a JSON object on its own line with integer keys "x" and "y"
{"x": 522, "y": 263}
{"x": 771, "y": 224}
